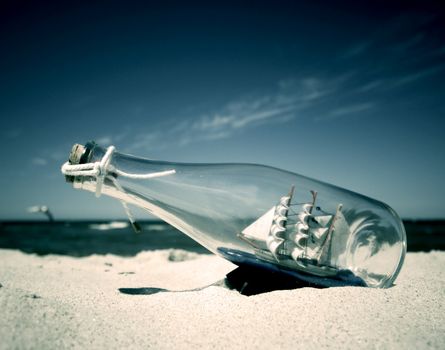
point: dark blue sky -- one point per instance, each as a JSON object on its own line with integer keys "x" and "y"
{"x": 352, "y": 93}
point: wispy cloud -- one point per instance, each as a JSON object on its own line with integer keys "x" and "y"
{"x": 280, "y": 106}
{"x": 369, "y": 86}
{"x": 109, "y": 139}
{"x": 356, "y": 50}
{"x": 352, "y": 109}
{"x": 400, "y": 80}
{"x": 105, "y": 140}
{"x": 408, "y": 43}
{"x": 418, "y": 75}
{"x": 243, "y": 116}
{"x": 397, "y": 49}
{"x": 147, "y": 141}
{"x": 39, "y": 161}
{"x": 347, "y": 111}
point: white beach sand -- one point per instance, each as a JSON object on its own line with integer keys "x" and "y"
{"x": 58, "y": 302}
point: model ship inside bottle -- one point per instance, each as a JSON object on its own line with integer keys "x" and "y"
{"x": 299, "y": 235}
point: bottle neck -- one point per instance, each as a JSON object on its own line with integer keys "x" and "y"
{"x": 127, "y": 178}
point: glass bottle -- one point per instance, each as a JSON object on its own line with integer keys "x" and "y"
{"x": 256, "y": 215}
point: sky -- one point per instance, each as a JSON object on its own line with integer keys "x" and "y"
{"x": 348, "y": 92}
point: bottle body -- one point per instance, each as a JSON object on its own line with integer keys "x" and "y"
{"x": 267, "y": 215}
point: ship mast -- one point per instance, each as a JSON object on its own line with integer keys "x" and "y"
{"x": 314, "y": 198}
{"x": 286, "y": 213}
{"x": 325, "y": 254}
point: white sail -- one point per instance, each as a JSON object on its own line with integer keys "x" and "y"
{"x": 319, "y": 233}
{"x": 308, "y": 207}
{"x": 325, "y": 252}
{"x": 270, "y": 228}
{"x": 308, "y": 234}
{"x": 304, "y": 217}
{"x": 273, "y": 244}
{"x": 278, "y": 229}
{"x": 298, "y": 239}
{"x": 305, "y": 242}
{"x": 339, "y": 242}
{"x": 301, "y": 228}
{"x": 260, "y": 229}
{"x": 321, "y": 221}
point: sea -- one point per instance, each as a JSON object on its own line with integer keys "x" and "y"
{"x": 84, "y": 238}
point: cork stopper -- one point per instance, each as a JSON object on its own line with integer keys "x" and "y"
{"x": 76, "y": 154}
{"x": 80, "y": 154}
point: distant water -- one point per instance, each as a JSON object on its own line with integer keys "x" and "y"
{"x": 82, "y": 238}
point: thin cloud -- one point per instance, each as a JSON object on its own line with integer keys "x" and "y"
{"x": 347, "y": 111}
{"x": 352, "y": 109}
{"x": 105, "y": 140}
{"x": 146, "y": 141}
{"x": 409, "y": 43}
{"x": 414, "y": 77}
{"x": 241, "y": 119}
{"x": 356, "y": 50}
{"x": 283, "y": 105}
{"x": 216, "y": 123}
{"x": 262, "y": 116}
{"x": 39, "y": 161}
{"x": 400, "y": 81}
{"x": 370, "y": 86}
{"x": 402, "y": 43}
{"x": 292, "y": 96}
{"x": 57, "y": 156}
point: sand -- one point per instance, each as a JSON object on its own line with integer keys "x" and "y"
{"x": 162, "y": 300}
